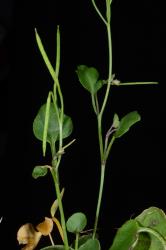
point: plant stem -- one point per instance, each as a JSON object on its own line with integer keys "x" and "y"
{"x": 57, "y": 189}
{"x": 99, "y": 199}
{"x": 51, "y": 239}
{"x": 53, "y": 150}
{"x": 109, "y": 69}
{"x": 103, "y": 152}
{"x": 135, "y": 83}
{"x": 99, "y": 123}
{"x": 93, "y": 103}
{"x": 108, "y": 149}
{"x": 98, "y": 12}
{"x": 76, "y": 241}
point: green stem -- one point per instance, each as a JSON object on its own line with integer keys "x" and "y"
{"x": 98, "y": 12}
{"x": 101, "y": 176}
{"x": 99, "y": 199}
{"x": 76, "y": 241}
{"x": 109, "y": 69}
{"x": 97, "y": 104}
{"x": 67, "y": 145}
{"x": 57, "y": 189}
{"x": 53, "y": 149}
{"x": 93, "y": 103}
{"x": 108, "y": 149}
{"x": 103, "y": 165}
{"x": 154, "y": 233}
{"x": 135, "y": 83}
{"x": 100, "y": 115}
{"x": 99, "y": 121}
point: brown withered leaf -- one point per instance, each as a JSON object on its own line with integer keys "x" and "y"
{"x": 28, "y": 236}
{"x": 45, "y": 227}
{"x": 54, "y": 206}
{"x": 59, "y": 227}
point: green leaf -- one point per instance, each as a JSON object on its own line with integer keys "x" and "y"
{"x": 53, "y": 125}
{"x": 91, "y": 244}
{"x": 126, "y": 236}
{"x": 39, "y": 171}
{"x": 126, "y": 122}
{"x": 144, "y": 242}
{"x": 56, "y": 247}
{"x": 155, "y": 219}
{"x": 88, "y": 77}
{"x": 82, "y": 239}
{"x": 76, "y": 223}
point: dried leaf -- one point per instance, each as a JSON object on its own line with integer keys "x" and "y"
{"x": 54, "y": 206}
{"x": 27, "y": 235}
{"x": 59, "y": 227}
{"x": 45, "y": 227}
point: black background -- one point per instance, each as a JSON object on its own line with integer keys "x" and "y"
{"x": 135, "y": 174}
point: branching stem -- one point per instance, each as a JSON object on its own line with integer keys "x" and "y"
{"x": 104, "y": 151}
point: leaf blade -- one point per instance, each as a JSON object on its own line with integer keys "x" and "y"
{"x": 76, "y": 223}
{"x": 125, "y": 236}
{"x": 91, "y": 244}
{"x": 126, "y": 122}
{"x": 53, "y": 125}
{"x": 39, "y": 171}
{"x": 89, "y": 78}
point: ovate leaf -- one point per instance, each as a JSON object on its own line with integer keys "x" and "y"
{"x": 126, "y": 236}
{"x": 91, "y": 244}
{"x": 53, "y": 125}
{"x": 39, "y": 171}
{"x": 155, "y": 219}
{"x": 89, "y": 78}
{"x": 76, "y": 223}
{"x": 126, "y": 122}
